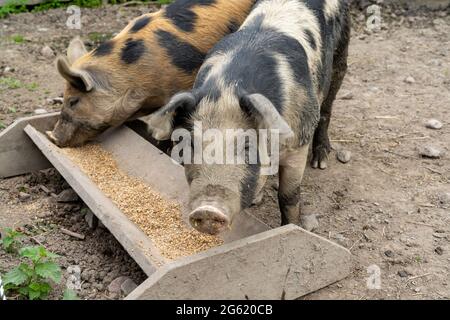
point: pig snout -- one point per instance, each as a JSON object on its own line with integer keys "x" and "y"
{"x": 208, "y": 218}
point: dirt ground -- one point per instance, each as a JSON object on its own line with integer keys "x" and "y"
{"x": 389, "y": 206}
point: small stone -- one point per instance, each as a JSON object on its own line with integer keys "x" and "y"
{"x": 67, "y": 195}
{"x": 8, "y": 69}
{"x": 403, "y": 274}
{"x": 39, "y": 111}
{"x": 309, "y": 222}
{"x": 431, "y": 152}
{"x": 344, "y": 156}
{"x": 439, "y": 251}
{"x": 444, "y": 199}
{"x": 128, "y": 286}
{"x": 47, "y": 52}
{"x": 417, "y": 290}
{"x": 347, "y": 95}
{"x": 433, "y": 124}
{"x": 389, "y": 253}
{"x": 57, "y": 100}
{"x": 91, "y": 220}
{"x": 24, "y": 196}
{"x": 115, "y": 285}
{"x": 99, "y": 286}
{"x": 410, "y": 80}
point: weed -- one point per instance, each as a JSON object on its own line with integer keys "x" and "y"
{"x": 10, "y": 241}
{"x": 32, "y": 280}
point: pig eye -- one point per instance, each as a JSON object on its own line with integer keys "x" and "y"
{"x": 73, "y": 102}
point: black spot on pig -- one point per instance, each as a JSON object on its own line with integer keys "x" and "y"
{"x": 181, "y": 14}
{"x": 104, "y": 49}
{"x": 140, "y": 24}
{"x": 132, "y": 51}
{"x": 183, "y": 55}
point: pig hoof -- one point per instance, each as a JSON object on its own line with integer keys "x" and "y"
{"x": 309, "y": 222}
{"x": 210, "y": 220}
{"x": 320, "y": 157}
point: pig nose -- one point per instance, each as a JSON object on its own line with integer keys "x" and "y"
{"x": 209, "y": 219}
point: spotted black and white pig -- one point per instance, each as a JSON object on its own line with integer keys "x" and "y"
{"x": 283, "y": 66}
{"x": 155, "y": 56}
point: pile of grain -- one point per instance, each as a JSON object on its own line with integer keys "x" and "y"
{"x": 158, "y": 218}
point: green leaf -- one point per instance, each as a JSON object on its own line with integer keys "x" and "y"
{"x": 69, "y": 294}
{"x": 32, "y": 253}
{"x": 33, "y": 294}
{"x": 38, "y": 290}
{"x": 16, "y": 277}
{"x": 26, "y": 269}
{"x": 48, "y": 270}
{"x": 23, "y": 291}
{"x": 7, "y": 242}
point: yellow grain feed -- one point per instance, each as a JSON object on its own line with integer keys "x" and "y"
{"x": 159, "y": 218}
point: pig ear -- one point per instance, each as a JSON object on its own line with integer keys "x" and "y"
{"x": 75, "y": 50}
{"x": 127, "y": 106}
{"x": 160, "y": 123}
{"x": 265, "y": 113}
{"x": 79, "y": 79}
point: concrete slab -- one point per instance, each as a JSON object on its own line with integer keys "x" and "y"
{"x": 18, "y": 154}
{"x": 283, "y": 263}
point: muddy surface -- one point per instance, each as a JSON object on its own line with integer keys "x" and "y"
{"x": 388, "y": 205}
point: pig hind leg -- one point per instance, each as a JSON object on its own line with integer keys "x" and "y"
{"x": 321, "y": 142}
{"x": 292, "y": 167}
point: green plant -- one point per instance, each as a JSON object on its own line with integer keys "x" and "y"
{"x": 32, "y": 86}
{"x": 17, "y": 38}
{"x": 10, "y": 83}
{"x": 12, "y": 110}
{"x": 32, "y": 280}
{"x": 10, "y": 241}
{"x": 12, "y": 6}
{"x": 2, "y": 125}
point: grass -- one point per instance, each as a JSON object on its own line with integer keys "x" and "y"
{"x": 17, "y": 38}
{"x": 2, "y": 125}
{"x": 18, "y": 6}
{"x": 13, "y": 83}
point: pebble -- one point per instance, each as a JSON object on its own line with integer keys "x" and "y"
{"x": 410, "y": 80}
{"x": 67, "y": 195}
{"x": 115, "y": 285}
{"x": 344, "y": 156}
{"x": 57, "y": 100}
{"x": 8, "y": 69}
{"x": 403, "y": 274}
{"x": 40, "y": 111}
{"x": 389, "y": 253}
{"x": 309, "y": 222}
{"x": 433, "y": 124}
{"x": 47, "y": 52}
{"x": 347, "y": 95}
{"x": 128, "y": 286}
{"x": 91, "y": 220}
{"x": 444, "y": 198}
{"x": 24, "y": 196}
{"x": 431, "y": 152}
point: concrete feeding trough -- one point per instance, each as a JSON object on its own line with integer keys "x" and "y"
{"x": 254, "y": 262}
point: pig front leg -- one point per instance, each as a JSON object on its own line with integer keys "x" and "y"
{"x": 292, "y": 167}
